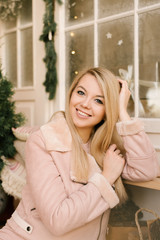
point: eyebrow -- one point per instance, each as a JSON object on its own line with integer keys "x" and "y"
{"x": 86, "y": 91}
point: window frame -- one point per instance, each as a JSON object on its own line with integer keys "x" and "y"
{"x": 17, "y": 29}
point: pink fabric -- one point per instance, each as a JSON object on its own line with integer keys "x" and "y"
{"x": 58, "y": 207}
{"x": 142, "y": 163}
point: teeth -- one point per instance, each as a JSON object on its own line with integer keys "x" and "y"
{"x": 83, "y": 114}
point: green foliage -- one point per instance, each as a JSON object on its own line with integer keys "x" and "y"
{"x": 9, "y": 9}
{"x": 59, "y": 1}
{"x": 8, "y": 119}
{"x": 47, "y": 36}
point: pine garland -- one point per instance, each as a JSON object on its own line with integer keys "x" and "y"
{"x": 8, "y": 119}
{"x": 49, "y": 29}
{"x": 9, "y": 9}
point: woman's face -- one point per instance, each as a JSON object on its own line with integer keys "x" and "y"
{"x": 87, "y": 106}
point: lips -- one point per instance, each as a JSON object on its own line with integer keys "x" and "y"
{"x": 83, "y": 114}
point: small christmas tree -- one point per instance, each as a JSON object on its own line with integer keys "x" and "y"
{"x": 8, "y": 119}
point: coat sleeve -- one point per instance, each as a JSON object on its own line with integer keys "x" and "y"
{"x": 59, "y": 211}
{"x": 141, "y": 158}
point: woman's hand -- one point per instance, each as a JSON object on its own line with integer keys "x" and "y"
{"x": 123, "y": 101}
{"x": 113, "y": 164}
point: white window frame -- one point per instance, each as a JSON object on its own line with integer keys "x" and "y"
{"x": 17, "y": 30}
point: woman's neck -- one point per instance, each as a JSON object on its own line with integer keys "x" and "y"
{"x": 84, "y": 135}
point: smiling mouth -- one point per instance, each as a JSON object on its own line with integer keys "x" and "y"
{"x": 82, "y": 113}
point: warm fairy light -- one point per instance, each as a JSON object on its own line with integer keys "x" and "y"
{"x": 75, "y": 17}
{"x": 76, "y": 72}
{"x": 73, "y": 52}
{"x": 72, "y": 34}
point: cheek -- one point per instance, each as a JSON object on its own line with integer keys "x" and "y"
{"x": 74, "y": 100}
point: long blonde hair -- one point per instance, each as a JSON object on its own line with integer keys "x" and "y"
{"x": 105, "y": 133}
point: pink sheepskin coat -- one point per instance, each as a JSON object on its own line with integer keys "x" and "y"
{"x": 54, "y": 205}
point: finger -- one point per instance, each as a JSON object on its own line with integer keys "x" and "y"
{"x": 123, "y": 82}
{"x": 125, "y": 88}
{"x": 123, "y": 85}
{"x": 120, "y": 80}
{"x": 112, "y": 147}
{"x": 117, "y": 151}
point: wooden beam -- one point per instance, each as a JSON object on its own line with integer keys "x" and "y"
{"x": 154, "y": 184}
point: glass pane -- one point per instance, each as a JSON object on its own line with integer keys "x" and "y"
{"x": 144, "y": 3}
{"x": 78, "y": 11}
{"x": 79, "y": 51}
{"x": 26, "y": 58}
{"x": 111, "y": 7}
{"x": 10, "y": 24}
{"x": 149, "y": 63}
{"x": 11, "y": 57}
{"x": 26, "y": 12}
{"x": 116, "y": 51}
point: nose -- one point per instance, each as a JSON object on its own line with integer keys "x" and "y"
{"x": 86, "y": 103}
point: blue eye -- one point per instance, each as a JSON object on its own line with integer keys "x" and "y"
{"x": 98, "y": 101}
{"x": 80, "y": 92}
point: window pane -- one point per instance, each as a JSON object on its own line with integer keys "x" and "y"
{"x": 144, "y": 3}
{"x": 79, "y": 51}
{"x": 116, "y": 50}
{"x": 26, "y": 12}
{"x": 10, "y": 24}
{"x": 78, "y": 11}
{"x": 26, "y": 57}
{"x": 11, "y": 57}
{"x": 149, "y": 62}
{"x": 111, "y": 7}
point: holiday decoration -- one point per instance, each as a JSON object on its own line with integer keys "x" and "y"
{"x": 8, "y": 119}
{"x": 9, "y": 9}
{"x": 120, "y": 42}
{"x": 47, "y": 37}
{"x": 109, "y": 35}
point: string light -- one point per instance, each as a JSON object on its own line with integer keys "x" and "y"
{"x": 73, "y": 52}
{"x": 75, "y": 17}
{"x": 72, "y": 34}
{"x": 76, "y": 72}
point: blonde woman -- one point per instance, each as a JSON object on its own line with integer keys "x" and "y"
{"x": 75, "y": 161}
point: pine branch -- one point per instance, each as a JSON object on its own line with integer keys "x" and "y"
{"x": 8, "y": 119}
{"x": 47, "y": 36}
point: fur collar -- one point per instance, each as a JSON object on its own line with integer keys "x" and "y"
{"x": 57, "y": 134}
